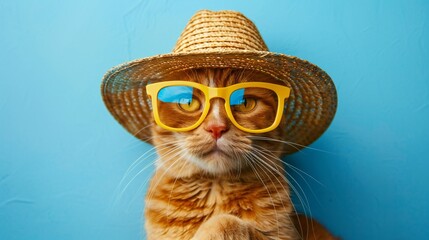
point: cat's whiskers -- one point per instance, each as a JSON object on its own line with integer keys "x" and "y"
{"x": 129, "y": 170}
{"x": 152, "y": 151}
{"x": 297, "y": 146}
{"x": 268, "y": 191}
{"x": 291, "y": 144}
{"x": 239, "y": 159}
{"x": 140, "y": 189}
{"x": 305, "y": 204}
{"x": 263, "y": 168}
{"x": 298, "y": 171}
{"x": 143, "y": 128}
{"x": 165, "y": 146}
{"x": 295, "y": 169}
{"x": 258, "y": 155}
{"x": 172, "y": 189}
{"x": 142, "y": 157}
{"x": 268, "y": 167}
{"x": 178, "y": 153}
{"x": 264, "y": 155}
{"x": 150, "y": 193}
{"x": 137, "y": 140}
{"x": 149, "y": 153}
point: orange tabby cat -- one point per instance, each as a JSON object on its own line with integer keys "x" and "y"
{"x": 218, "y": 182}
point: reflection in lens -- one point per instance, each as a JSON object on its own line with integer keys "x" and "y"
{"x": 254, "y": 108}
{"x": 180, "y": 106}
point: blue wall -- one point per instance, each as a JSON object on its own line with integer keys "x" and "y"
{"x": 62, "y": 156}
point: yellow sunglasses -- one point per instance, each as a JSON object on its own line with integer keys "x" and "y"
{"x": 183, "y": 105}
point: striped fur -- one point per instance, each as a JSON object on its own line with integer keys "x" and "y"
{"x": 239, "y": 192}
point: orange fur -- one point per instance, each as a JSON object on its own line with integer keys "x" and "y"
{"x": 230, "y": 188}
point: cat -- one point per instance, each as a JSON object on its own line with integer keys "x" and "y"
{"x": 219, "y": 182}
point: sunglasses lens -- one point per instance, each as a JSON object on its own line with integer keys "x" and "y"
{"x": 180, "y": 106}
{"x": 254, "y": 108}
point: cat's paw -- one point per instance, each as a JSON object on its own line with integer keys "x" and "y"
{"x": 223, "y": 227}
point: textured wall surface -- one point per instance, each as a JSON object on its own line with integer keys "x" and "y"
{"x": 62, "y": 156}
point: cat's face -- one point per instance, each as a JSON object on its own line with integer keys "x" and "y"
{"x": 216, "y": 146}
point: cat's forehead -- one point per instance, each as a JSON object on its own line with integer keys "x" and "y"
{"x": 221, "y": 80}
{"x": 216, "y": 77}
{"x": 222, "y": 77}
{"x": 225, "y": 77}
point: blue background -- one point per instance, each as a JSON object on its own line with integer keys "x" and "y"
{"x": 62, "y": 156}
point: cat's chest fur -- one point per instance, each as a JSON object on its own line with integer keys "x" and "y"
{"x": 222, "y": 196}
{"x": 175, "y": 207}
{"x": 205, "y": 197}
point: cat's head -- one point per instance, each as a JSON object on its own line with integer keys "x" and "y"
{"x": 217, "y": 146}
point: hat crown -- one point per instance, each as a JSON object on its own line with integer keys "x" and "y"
{"x": 209, "y": 31}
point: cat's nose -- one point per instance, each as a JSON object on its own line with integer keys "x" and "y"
{"x": 216, "y": 130}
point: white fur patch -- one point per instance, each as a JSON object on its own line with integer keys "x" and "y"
{"x": 212, "y": 82}
{"x": 215, "y": 110}
{"x": 215, "y": 106}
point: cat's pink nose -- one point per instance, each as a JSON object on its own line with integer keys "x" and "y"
{"x": 216, "y": 130}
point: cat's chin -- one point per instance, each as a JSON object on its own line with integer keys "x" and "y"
{"x": 216, "y": 152}
{"x": 216, "y": 162}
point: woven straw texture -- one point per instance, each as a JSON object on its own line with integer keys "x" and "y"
{"x": 223, "y": 39}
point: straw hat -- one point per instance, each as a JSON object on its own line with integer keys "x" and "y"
{"x": 224, "y": 39}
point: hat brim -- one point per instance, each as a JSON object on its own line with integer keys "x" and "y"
{"x": 308, "y": 111}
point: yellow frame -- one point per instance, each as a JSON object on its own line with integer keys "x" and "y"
{"x": 222, "y": 92}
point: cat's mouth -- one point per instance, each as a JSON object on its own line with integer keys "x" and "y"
{"x": 214, "y": 151}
